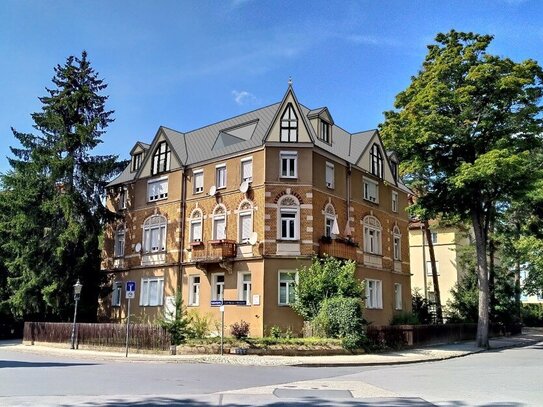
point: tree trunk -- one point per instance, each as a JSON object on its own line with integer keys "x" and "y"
{"x": 491, "y": 277}
{"x": 482, "y": 274}
{"x": 518, "y": 305}
{"x": 435, "y": 280}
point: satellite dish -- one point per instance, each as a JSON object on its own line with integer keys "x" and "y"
{"x": 253, "y": 239}
{"x": 137, "y": 247}
{"x": 244, "y": 187}
{"x": 212, "y": 190}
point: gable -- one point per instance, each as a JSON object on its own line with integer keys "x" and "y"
{"x": 304, "y": 135}
{"x": 145, "y": 170}
{"x": 365, "y": 163}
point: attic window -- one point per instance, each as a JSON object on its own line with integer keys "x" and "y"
{"x": 289, "y": 125}
{"x": 136, "y": 161}
{"x": 325, "y": 132}
{"x": 376, "y": 161}
{"x": 161, "y": 158}
{"x": 394, "y": 167}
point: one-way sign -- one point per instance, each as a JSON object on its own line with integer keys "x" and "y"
{"x": 130, "y": 289}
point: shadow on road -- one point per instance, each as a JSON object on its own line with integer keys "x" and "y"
{"x": 18, "y": 363}
{"x": 309, "y": 401}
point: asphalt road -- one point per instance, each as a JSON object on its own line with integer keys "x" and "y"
{"x": 511, "y": 377}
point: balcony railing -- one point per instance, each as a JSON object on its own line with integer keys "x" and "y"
{"x": 214, "y": 251}
{"x": 342, "y": 249}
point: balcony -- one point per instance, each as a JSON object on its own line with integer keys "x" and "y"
{"x": 214, "y": 251}
{"x": 339, "y": 248}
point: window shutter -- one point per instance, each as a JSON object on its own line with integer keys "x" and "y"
{"x": 246, "y": 227}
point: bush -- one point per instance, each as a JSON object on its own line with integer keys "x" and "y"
{"x": 353, "y": 341}
{"x": 339, "y": 317}
{"x": 200, "y": 324}
{"x": 240, "y": 330}
{"x": 405, "y": 318}
{"x": 275, "y": 332}
{"x": 532, "y": 314}
{"x": 177, "y": 323}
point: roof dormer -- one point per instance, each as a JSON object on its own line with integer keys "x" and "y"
{"x": 137, "y": 154}
{"x": 322, "y": 123}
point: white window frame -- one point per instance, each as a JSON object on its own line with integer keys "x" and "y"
{"x": 120, "y": 241}
{"x": 195, "y": 175}
{"x": 433, "y": 236}
{"x": 374, "y": 294}
{"x": 216, "y": 218}
{"x": 396, "y": 243}
{"x": 291, "y": 157}
{"x": 145, "y": 294}
{"x": 243, "y": 214}
{"x": 429, "y": 267}
{"x": 194, "y": 221}
{"x": 290, "y": 286}
{"x": 194, "y": 290}
{"x": 394, "y": 201}
{"x": 398, "y": 302}
{"x": 215, "y": 284}
{"x": 367, "y": 193}
{"x": 153, "y": 195}
{"x": 245, "y": 287}
{"x": 288, "y": 210}
{"x": 246, "y": 177}
{"x": 148, "y": 227}
{"x": 117, "y": 294}
{"x": 220, "y": 176}
{"x": 160, "y": 161}
{"x": 326, "y": 132}
{"x": 123, "y": 198}
{"x": 329, "y": 218}
{"x": 288, "y": 130}
{"x": 330, "y": 175}
{"x": 137, "y": 159}
{"x": 373, "y": 243}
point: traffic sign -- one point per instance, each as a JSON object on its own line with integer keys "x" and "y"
{"x": 218, "y": 303}
{"x": 130, "y": 289}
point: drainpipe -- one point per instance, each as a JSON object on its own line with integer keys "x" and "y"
{"x": 181, "y": 256}
{"x": 424, "y": 261}
{"x": 349, "y": 172}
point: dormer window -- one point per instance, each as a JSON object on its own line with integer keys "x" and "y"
{"x": 325, "y": 132}
{"x": 376, "y": 161}
{"x": 161, "y": 158}
{"x": 289, "y": 125}
{"x": 136, "y": 161}
{"x": 394, "y": 168}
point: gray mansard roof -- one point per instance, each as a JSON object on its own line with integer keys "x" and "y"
{"x": 248, "y": 131}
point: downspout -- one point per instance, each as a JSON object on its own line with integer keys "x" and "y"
{"x": 424, "y": 271}
{"x": 181, "y": 256}
{"x": 349, "y": 172}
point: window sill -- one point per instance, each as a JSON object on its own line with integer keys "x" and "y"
{"x": 158, "y": 199}
{"x": 283, "y": 240}
{"x": 287, "y": 177}
{"x": 372, "y": 201}
{"x": 196, "y": 243}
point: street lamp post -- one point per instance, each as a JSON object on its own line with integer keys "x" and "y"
{"x": 77, "y": 294}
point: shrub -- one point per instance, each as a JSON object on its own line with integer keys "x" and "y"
{"x": 177, "y": 323}
{"x": 275, "y": 332}
{"x": 353, "y": 341}
{"x": 240, "y": 330}
{"x": 532, "y": 314}
{"x": 339, "y": 317}
{"x": 405, "y": 318}
{"x": 200, "y": 324}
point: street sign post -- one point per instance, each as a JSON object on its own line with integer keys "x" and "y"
{"x": 130, "y": 293}
{"x": 221, "y": 304}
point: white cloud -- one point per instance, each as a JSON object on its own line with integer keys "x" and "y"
{"x": 243, "y": 97}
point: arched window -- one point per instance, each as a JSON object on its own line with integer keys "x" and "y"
{"x": 154, "y": 234}
{"x": 161, "y": 158}
{"x": 245, "y": 221}
{"x": 196, "y": 219}
{"x": 329, "y": 219}
{"x": 219, "y": 222}
{"x": 376, "y": 161}
{"x": 119, "y": 241}
{"x": 289, "y": 125}
{"x": 372, "y": 235}
{"x": 397, "y": 243}
{"x": 289, "y": 218}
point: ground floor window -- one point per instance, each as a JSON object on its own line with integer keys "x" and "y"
{"x": 287, "y": 283}
{"x": 398, "y": 296}
{"x": 117, "y": 294}
{"x": 218, "y": 287}
{"x": 374, "y": 294}
{"x": 194, "y": 295}
{"x": 152, "y": 291}
{"x": 244, "y": 287}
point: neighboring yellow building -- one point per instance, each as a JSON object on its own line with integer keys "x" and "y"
{"x": 231, "y": 210}
{"x": 447, "y": 241}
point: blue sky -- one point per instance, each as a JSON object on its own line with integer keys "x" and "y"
{"x": 185, "y": 64}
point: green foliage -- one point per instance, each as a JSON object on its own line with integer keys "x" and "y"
{"x": 405, "y": 318}
{"x": 421, "y": 308}
{"x": 200, "y": 324}
{"x": 339, "y": 316}
{"x": 324, "y": 279}
{"x": 239, "y": 330}
{"x": 177, "y": 323}
{"x": 275, "y": 332}
{"x": 532, "y": 314}
{"x": 51, "y": 211}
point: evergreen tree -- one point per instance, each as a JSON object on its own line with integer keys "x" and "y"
{"x": 51, "y": 205}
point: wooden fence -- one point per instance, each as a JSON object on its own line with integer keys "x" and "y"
{"x": 142, "y": 337}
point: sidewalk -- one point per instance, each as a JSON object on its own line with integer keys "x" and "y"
{"x": 530, "y": 336}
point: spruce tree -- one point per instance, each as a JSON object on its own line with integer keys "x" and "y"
{"x": 51, "y": 204}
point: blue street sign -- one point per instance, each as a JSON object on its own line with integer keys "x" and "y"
{"x": 218, "y": 303}
{"x": 130, "y": 286}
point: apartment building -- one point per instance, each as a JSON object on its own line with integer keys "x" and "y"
{"x": 230, "y": 211}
